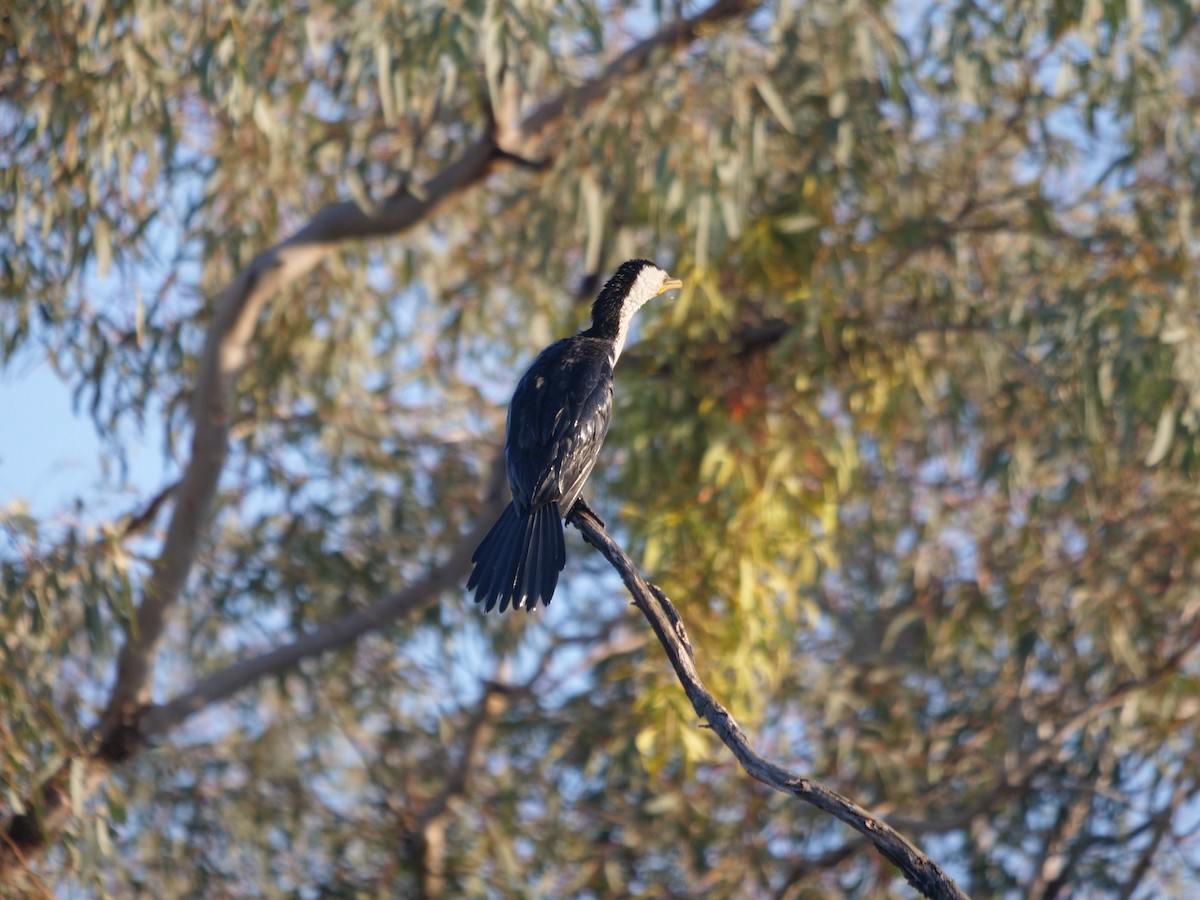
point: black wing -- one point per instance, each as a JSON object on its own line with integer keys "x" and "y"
{"x": 557, "y": 421}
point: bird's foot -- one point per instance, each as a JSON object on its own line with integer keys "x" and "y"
{"x": 581, "y": 506}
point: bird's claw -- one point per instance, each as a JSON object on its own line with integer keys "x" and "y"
{"x": 581, "y": 507}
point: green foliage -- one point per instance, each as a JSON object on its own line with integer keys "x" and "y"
{"x": 914, "y": 452}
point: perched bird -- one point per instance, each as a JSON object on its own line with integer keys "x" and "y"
{"x": 557, "y": 421}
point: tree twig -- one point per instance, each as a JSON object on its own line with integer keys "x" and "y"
{"x": 142, "y": 520}
{"x": 919, "y": 870}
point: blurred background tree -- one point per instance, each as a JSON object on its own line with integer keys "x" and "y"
{"x": 914, "y": 452}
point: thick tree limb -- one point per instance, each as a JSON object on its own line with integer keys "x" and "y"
{"x": 225, "y": 351}
{"x": 919, "y": 870}
{"x": 341, "y": 632}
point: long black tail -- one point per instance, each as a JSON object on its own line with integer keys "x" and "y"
{"x": 518, "y": 562}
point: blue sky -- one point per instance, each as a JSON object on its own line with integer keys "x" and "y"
{"x": 51, "y": 456}
{"x": 48, "y": 454}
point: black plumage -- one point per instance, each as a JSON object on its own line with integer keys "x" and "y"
{"x": 557, "y": 420}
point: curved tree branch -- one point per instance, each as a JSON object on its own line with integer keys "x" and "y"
{"x": 341, "y": 632}
{"x": 226, "y": 346}
{"x": 920, "y": 871}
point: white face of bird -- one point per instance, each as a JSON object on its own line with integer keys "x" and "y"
{"x": 650, "y": 282}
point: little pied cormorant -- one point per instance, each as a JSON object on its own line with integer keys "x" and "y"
{"x": 557, "y": 421}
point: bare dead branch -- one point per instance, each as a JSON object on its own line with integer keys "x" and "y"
{"x": 920, "y": 871}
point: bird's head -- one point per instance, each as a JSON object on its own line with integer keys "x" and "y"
{"x": 629, "y": 289}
